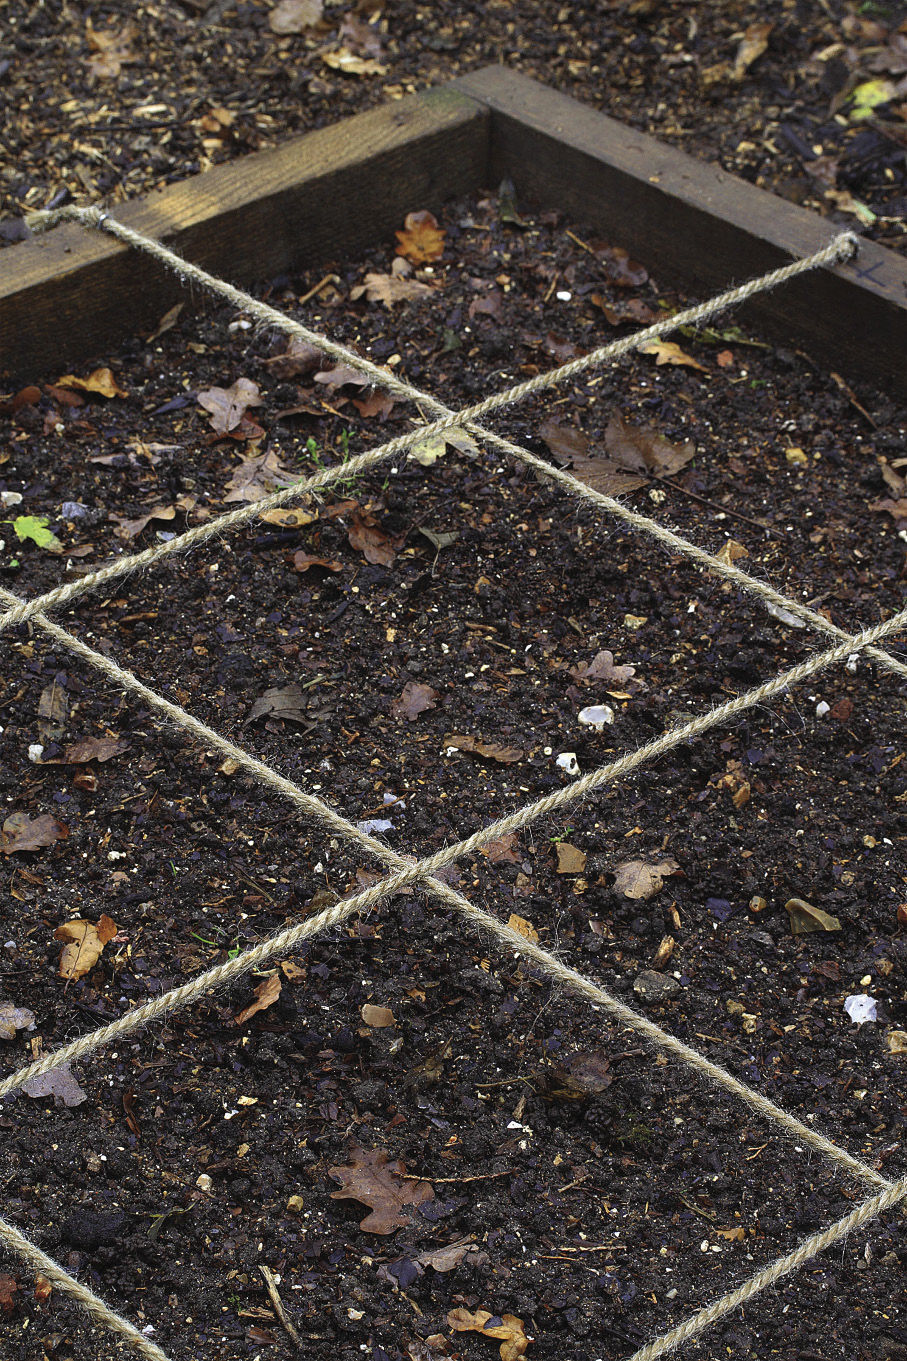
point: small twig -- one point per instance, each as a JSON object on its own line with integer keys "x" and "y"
{"x": 461, "y": 1181}
{"x": 279, "y": 1310}
{"x": 713, "y": 505}
{"x": 328, "y": 279}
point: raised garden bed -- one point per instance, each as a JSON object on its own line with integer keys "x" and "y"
{"x": 228, "y": 1123}
{"x": 331, "y": 192}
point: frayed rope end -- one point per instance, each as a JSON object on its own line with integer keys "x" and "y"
{"x": 43, "y": 219}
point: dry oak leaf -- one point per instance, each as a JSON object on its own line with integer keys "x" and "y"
{"x": 22, "y": 833}
{"x": 491, "y": 751}
{"x": 287, "y": 702}
{"x": 84, "y": 946}
{"x": 266, "y": 994}
{"x": 422, "y": 239}
{"x": 602, "y": 668}
{"x": 642, "y": 449}
{"x": 58, "y": 1083}
{"x": 389, "y": 288}
{"x": 227, "y": 406}
{"x": 14, "y": 1018}
{"x": 570, "y": 859}
{"x": 414, "y": 700}
{"x": 292, "y": 16}
{"x": 503, "y": 848}
{"x": 256, "y": 477}
{"x": 805, "y": 918}
{"x": 666, "y": 352}
{"x": 374, "y": 1180}
{"x": 505, "y": 1328}
{"x": 100, "y": 381}
{"x": 643, "y": 878}
{"x": 367, "y": 537}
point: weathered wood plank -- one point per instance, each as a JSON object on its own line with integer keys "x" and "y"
{"x": 695, "y": 225}
{"x": 68, "y": 295}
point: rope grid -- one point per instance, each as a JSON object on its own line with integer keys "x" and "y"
{"x": 422, "y": 873}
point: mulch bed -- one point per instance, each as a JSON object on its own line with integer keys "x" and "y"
{"x": 581, "y": 1184}
{"x": 808, "y": 100}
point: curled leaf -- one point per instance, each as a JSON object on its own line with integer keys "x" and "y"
{"x": 85, "y": 943}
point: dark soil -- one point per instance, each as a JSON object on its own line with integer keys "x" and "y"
{"x": 204, "y": 1149}
{"x": 104, "y": 102}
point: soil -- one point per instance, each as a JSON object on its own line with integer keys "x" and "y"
{"x": 104, "y": 103}
{"x": 582, "y": 1184}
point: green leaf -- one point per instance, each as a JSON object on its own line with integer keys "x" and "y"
{"x": 868, "y": 96}
{"x": 34, "y": 527}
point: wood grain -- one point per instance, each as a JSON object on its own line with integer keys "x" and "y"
{"x": 694, "y": 225}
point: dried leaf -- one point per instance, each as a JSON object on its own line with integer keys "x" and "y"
{"x": 292, "y": 16}
{"x": 14, "y": 1018}
{"x": 341, "y": 376}
{"x": 227, "y": 406}
{"x": 640, "y": 448}
{"x": 112, "y": 49}
{"x": 666, "y": 352}
{"x": 619, "y": 269}
{"x": 382, "y": 1185}
{"x": 414, "y": 700}
{"x": 287, "y": 519}
{"x": 580, "y": 1076}
{"x": 503, "y": 848}
{"x": 9, "y": 1287}
{"x": 570, "y": 859}
{"x": 565, "y": 441}
{"x": 641, "y": 879}
{"x": 367, "y": 537}
{"x": 360, "y": 37}
{"x": 754, "y": 43}
{"x": 257, "y": 476}
{"x": 91, "y": 749}
{"x": 422, "y": 239}
{"x": 390, "y": 288}
{"x": 287, "y": 702}
{"x": 604, "y": 476}
{"x": 492, "y": 751}
{"x": 730, "y": 551}
{"x": 602, "y": 668}
{"x": 429, "y": 450}
{"x": 302, "y": 561}
{"x": 297, "y": 359}
{"x": 100, "y": 381}
{"x": 84, "y": 946}
{"x": 348, "y": 64}
{"x": 266, "y": 994}
{"x": 523, "y": 927}
{"x": 22, "y": 833}
{"x": 375, "y": 404}
{"x": 805, "y": 918}
{"x": 59, "y": 1083}
{"x": 630, "y": 309}
{"x": 505, "y": 1328}
{"x": 377, "y": 1017}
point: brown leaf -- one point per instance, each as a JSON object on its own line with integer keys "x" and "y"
{"x": 640, "y": 448}
{"x": 292, "y": 16}
{"x": 643, "y": 878}
{"x": 580, "y": 1076}
{"x": 422, "y": 239}
{"x": 565, "y": 441}
{"x": 730, "y": 551}
{"x": 491, "y": 751}
{"x": 297, "y": 359}
{"x": 341, "y": 376}
{"x": 257, "y": 476}
{"x": 287, "y": 519}
{"x": 22, "y": 833}
{"x": 805, "y": 918}
{"x": 266, "y": 994}
{"x": 619, "y": 269}
{"x": 754, "y": 43}
{"x": 523, "y": 927}
{"x": 367, "y": 537}
{"x": 488, "y": 305}
{"x": 570, "y": 859}
{"x": 896, "y": 509}
{"x": 375, "y": 404}
{"x": 112, "y": 49}
{"x": 287, "y": 702}
{"x": 382, "y": 1185}
{"x": 14, "y": 1018}
{"x": 100, "y": 381}
{"x": 604, "y": 476}
{"x": 360, "y": 37}
{"x": 59, "y": 1083}
{"x": 630, "y": 309}
{"x": 349, "y": 64}
{"x": 390, "y": 288}
{"x": 91, "y": 749}
{"x": 85, "y": 945}
{"x": 415, "y": 699}
{"x": 602, "y": 668}
{"x": 505, "y": 1328}
{"x": 302, "y": 561}
{"x": 503, "y": 848}
{"x": 43, "y": 1289}
{"x": 377, "y": 1017}
{"x": 666, "y": 352}
{"x": 9, "y": 1287}
{"x": 227, "y": 406}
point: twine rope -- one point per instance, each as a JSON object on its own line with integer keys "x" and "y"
{"x": 89, "y": 1301}
{"x": 408, "y": 872}
{"x": 422, "y": 870}
{"x": 839, "y": 248}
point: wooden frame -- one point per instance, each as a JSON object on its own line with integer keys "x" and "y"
{"x": 67, "y": 296}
